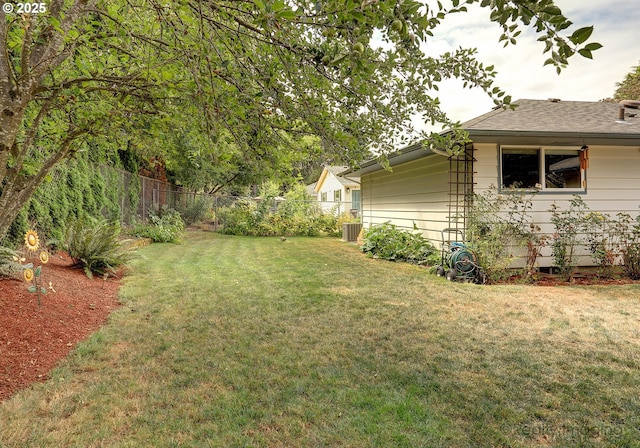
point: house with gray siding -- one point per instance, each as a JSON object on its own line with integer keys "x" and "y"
{"x": 555, "y": 148}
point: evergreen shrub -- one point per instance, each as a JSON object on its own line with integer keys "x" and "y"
{"x": 76, "y": 188}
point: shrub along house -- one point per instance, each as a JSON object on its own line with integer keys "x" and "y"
{"x": 556, "y": 148}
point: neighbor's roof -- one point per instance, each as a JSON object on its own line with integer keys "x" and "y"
{"x": 311, "y": 188}
{"x": 544, "y": 122}
{"x": 336, "y": 170}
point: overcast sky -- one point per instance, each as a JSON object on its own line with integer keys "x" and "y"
{"x": 520, "y": 68}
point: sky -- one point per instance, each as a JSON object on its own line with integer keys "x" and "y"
{"x": 520, "y": 67}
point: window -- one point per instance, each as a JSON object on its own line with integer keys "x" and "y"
{"x": 337, "y": 195}
{"x": 542, "y": 168}
{"x": 323, "y": 196}
{"x": 355, "y": 199}
{"x": 562, "y": 169}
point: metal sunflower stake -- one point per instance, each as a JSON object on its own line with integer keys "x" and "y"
{"x": 32, "y": 273}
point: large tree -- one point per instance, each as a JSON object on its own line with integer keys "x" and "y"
{"x": 349, "y": 72}
{"x": 629, "y": 88}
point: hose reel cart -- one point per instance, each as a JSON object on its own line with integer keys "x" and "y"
{"x": 458, "y": 261}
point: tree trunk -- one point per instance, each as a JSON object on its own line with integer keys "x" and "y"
{"x": 9, "y": 213}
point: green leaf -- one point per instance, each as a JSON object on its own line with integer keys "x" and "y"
{"x": 580, "y": 36}
{"x": 585, "y": 53}
{"x": 593, "y": 46}
{"x": 287, "y": 14}
{"x": 38, "y": 271}
{"x": 552, "y": 10}
{"x": 43, "y": 290}
{"x": 32, "y": 288}
{"x": 278, "y": 5}
{"x": 359, "y": 16}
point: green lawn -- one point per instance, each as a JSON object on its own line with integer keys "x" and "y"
{"x": 233, "y": 342}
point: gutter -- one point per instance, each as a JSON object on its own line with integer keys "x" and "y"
{"x": 567, "y": 138}
{"x": 407, "y": 154}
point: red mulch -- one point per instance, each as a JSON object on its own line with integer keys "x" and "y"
{"x": 579, "y": 278}
{"x": 33, "y": 339}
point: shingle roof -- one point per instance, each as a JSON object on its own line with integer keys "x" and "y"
{"x": 567, "y": 117}
{"x": 346, "y": 181}
{"x": 539, "y": 122}
{"x": 336, "y": 169}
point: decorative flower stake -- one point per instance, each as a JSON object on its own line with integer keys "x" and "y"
{"x": 31, "y": 240}
{"x": 33, "y": 273}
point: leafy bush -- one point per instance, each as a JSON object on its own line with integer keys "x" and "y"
{"x": 567, "y": 237}
{"x": 603, "y": 240}
{"x": 332, "y": 222}
{"x": 296, "y": 215}
{"x": 239, "y": 218}
{"x": 95, "y": 246}
{"x": 77, "y": 187}
{"x": 388, "y": 242}
{"x": 498, "y": 224}
{"x": 166, "y": 226}
{"x": 8, "y": 265}
{"x": 629, "y": 233}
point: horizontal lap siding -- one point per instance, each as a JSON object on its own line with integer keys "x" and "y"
{"x": 414, "y": 192}
{"x": 613, "y": 186}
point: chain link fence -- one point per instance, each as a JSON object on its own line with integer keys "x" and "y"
{"x": 138, "y": 196}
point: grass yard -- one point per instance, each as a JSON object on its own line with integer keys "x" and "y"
{"x": 255, "y": 342}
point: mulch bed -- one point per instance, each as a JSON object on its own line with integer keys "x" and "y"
{"x": 586, "y": 277}
{"x": 34, "y": 339}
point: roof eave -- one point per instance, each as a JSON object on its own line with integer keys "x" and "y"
{"x": 407, "y": 154}
{"x": 566, "y": 138}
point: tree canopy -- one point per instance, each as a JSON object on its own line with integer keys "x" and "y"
{"x": 629, "y": 88}
{"x": 241, "y": 80}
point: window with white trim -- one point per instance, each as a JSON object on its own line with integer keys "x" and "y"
{"x": 542, "y": 168}
{"x": 337, "y": 195}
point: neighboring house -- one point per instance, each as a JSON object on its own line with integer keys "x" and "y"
{"x": 337, "y": 192}
{"x": 559, "y": 148}
{"x": 311, "y": 191}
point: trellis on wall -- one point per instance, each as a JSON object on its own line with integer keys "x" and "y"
{"x": 460, "y": 189}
